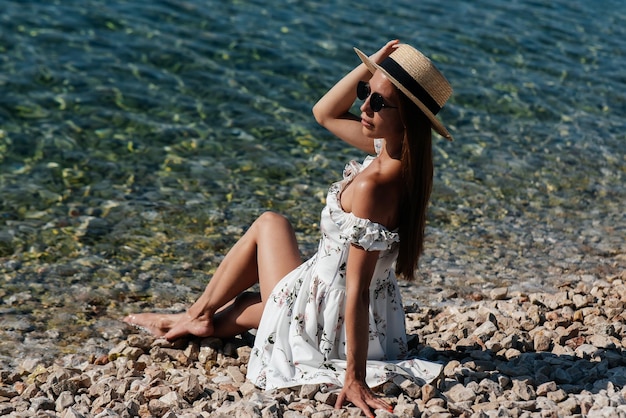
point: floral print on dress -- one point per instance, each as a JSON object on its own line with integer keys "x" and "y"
{"x": 302, "y": 336}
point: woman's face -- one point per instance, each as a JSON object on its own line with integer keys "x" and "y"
{"x": 386, "y": 123}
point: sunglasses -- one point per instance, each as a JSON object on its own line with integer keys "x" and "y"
{"x": 377, "y": 103}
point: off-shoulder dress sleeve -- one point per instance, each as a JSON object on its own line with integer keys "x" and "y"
{"x": 370, "y": 236}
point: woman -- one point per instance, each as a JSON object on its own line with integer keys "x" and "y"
{"x": 337, "y": 318}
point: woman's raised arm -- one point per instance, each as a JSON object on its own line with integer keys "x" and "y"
{"x": 332, "y": 111}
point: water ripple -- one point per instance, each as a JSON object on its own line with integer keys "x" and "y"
{"x": 138, "y": 139}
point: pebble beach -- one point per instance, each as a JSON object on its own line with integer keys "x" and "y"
{"x": 503, "y": 354}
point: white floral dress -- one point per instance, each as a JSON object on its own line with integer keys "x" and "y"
{"x": 302, "y": 338}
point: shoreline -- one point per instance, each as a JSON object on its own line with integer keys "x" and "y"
{"x": 510, "y": 353}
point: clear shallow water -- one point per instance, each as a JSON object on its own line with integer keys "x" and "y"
{"x": 138, "y": 139}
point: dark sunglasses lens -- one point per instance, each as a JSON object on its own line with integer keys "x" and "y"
{"x": 376, "y": 102}
{"x": 362, "y": 90}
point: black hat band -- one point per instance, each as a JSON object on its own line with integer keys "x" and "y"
{"x": 396, "y": 71}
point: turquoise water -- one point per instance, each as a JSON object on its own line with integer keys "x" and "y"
{"x": 138, "y": 139}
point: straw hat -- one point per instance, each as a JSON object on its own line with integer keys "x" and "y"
{"x": 418, "y": 78}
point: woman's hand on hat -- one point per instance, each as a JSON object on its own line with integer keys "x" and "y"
{"x": 380, "y": 55}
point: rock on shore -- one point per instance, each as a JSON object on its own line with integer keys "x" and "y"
{"x": 505, "y": 355}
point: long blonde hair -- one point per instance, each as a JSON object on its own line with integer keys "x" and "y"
{"x": 417, "y": 176}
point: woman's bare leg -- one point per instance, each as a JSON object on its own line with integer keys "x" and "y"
{"x": 264, "y": 255}
{"x": 241, "y": 315}
{"x": 236, "y": 317}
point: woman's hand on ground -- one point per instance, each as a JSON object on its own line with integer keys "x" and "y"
{"x": 360, "y": 395}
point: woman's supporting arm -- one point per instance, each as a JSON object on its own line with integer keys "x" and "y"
{"x": 361, "y": 266}
{"x": 359, "y": 271}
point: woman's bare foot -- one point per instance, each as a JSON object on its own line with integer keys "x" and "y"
{"x": 200, "y": 326}
{"x": 155, "y": 323}
{"x": 171, "y": 326}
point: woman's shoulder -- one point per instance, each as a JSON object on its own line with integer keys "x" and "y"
{"x": 381, "y": 175}
{"x": 377, "y": 193}
{"x": 376, "y": 182}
